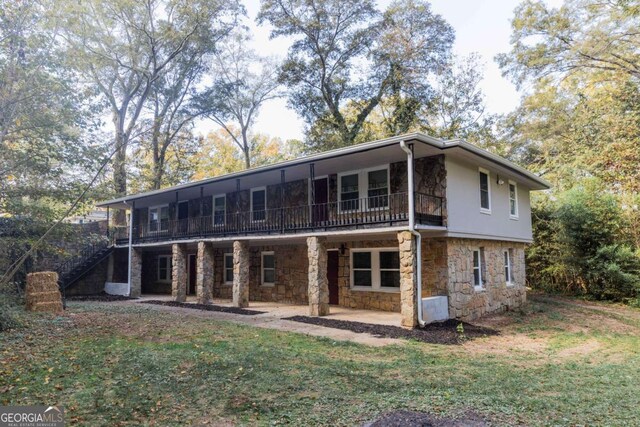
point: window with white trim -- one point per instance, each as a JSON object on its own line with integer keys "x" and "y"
{"x": 508, "y": 266}
{"x": 478, "y": 261}
{"x": 159, "y": 218}
{"x": 349, "y": 192}
{"x": 165, "y": 263}
{"x": 268, "y": 268}
{"x": 485, "y": 190}
{"x": 219, "y": 209}
{"x": 370, "y": 185}
{"x": 258, "y": 204}
{"x": 228, "y": 269}
{"x": 513, "y": 199}
{"x": 375, "y": 269}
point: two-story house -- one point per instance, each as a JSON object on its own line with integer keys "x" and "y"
{"x": 411, "y": 224}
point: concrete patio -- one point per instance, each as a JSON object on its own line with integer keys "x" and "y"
{"x": 275, "y": 313}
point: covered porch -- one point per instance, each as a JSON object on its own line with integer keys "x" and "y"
{"x": 368, "y": 277}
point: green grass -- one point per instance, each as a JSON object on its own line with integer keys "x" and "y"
{"x": 111, "y": 365}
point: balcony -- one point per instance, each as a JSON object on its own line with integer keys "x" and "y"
{"x": 370, "y": 212}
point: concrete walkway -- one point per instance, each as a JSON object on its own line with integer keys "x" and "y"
{"x": 273, "y": 315}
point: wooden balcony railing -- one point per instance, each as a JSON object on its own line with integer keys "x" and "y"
{"x": 389, "y": 210}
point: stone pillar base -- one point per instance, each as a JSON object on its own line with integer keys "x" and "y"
{"x": 135, "y": 287}
{"x": 204, "y": 273}
{"x": 408, "y": 288}
{"x": 318, "y": 283}
{"x": 179, "y": 273}
{"x": 240, "y": 274}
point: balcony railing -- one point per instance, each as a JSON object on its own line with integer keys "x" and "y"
{"x": 389, "y": 210}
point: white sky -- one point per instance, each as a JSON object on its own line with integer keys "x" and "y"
{"x": 481, "y": 26}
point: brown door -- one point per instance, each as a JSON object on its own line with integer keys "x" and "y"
{"x": 191, "y": 288}
{"x": 332, "y": 276}
{"x": 320, "y": 208}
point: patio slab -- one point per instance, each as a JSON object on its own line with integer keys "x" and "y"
{"x": 274, "y": 314}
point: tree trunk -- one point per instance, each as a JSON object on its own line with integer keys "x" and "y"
{"x": 120, "y": 168}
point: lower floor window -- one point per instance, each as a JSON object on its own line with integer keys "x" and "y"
{"x": 164, "y": 268}
{"x": 228, "y": 268}
{"x": 478, "y": 260}
{"x": 268, "y": 268}
{"x": 508, "y": 266}
{"x": 375, "y": 269}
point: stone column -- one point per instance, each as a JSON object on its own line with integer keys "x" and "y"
{"x": 408, "y": 288}
{"x": 135, "y": 287}
{"x": 204, "y": 273}
{"x": 179, "y": 273}
{"x": 318, "y": 284}
{"x": 240, "y": 274}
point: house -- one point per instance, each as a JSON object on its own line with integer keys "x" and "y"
{"x": 429, "y": 228}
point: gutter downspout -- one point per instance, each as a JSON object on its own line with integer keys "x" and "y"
{"x": 412, "y": 227}
{"x": 130, "y": 247}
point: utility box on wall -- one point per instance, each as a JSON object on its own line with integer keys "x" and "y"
{"x": 435, "y": 309}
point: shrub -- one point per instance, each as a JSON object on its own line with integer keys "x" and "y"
{"x": 11, "y": 308}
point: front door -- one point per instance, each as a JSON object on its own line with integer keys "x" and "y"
{"x": 332, "y": 276}
{"x": 191, "y": 279}
{"x": 320, "y": 209}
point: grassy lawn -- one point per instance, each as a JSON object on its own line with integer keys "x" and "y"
{"x": 562, "y": 362}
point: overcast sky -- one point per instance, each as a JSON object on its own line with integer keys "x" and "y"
{"x": 481, "y": 26}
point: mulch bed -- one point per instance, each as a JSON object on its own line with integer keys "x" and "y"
{"x": 434, "y": 333}
{"x": 204, "y": 307}
{"x": 99, "y": 297}
{"x": 404, "y": 418}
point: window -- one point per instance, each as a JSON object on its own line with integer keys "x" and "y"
{"x": 375, "y": 269}
{"x": 219, "y": 209}
{"x": 371, "y": 185}
{"x": 485, "y": 191}
{"x": 268, "y": 268}
{"x": 478, "y": 260}
{"x": 378, "y": 189}
{"x": 228, "y": 268}
{"x": 362, "y": 274}
{"x": 258, "y": 204}
{"x": 390, "y": 269}
{"x": 508, "y": 269}
{"x": 159, "y": 218}
{"x": 513, "y": 199}
{"x": 164, "y": 268}
{"x": 349, "y": 193}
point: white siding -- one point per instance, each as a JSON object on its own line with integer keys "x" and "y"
{"x": 465, "y": 218}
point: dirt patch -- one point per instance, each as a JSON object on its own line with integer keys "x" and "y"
{"x": 99, "y": 298}
{"x": 507, "y": 345}
{"x": 583, "y": 349}
{"x": 405, "y": 418}
{"x": 435, "y": 333}
{"x": 204, "y": 307}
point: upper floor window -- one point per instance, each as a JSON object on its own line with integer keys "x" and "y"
{"x": 159, "y": 218}
{"x": 370, "y": 186}
{"x": 219, "y": 209}
{"x": 164, "y": 268}
{"x": 513, "y": 199}
{"x": 349, "y": 192}
{"x": 258, "y": 204}
{"x": 485, "y": 191}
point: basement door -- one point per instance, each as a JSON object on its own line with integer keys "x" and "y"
{"x": 332, "y": 277}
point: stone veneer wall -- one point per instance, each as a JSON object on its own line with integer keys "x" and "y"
{"x": 467, "y": 303}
